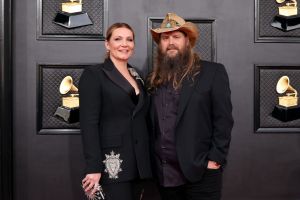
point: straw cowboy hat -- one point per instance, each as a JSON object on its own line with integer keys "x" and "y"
{"x": 173, "y": 22}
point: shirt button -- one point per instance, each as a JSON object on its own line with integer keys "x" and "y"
{"x": 164, "y": 162}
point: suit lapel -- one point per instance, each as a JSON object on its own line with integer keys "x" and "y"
{"x": 185, "y": 94}
{"x": 140, "y": 83}
{"x": 115, "y": 76}
{"x": 142, "y": 96}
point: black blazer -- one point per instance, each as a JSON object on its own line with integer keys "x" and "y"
{"x": 204, "y": 120}
{"x": 110, "y": 121}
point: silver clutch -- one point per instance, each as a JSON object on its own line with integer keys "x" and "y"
{"x": 96, "y": 193}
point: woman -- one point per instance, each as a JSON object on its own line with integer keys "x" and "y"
{"x": 113, "y": 106}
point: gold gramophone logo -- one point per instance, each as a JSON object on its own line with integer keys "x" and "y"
{"x": 289, "y": 9}
{"x": 67, "y": 88}
{"x": 287, "y": 108}
{"x": 73, "y": 6}
{"x": 69, "y": 109}
{"x": 71, "y": 15}
{"x": 287, "y": 18}
{"x": 290, "y": 95}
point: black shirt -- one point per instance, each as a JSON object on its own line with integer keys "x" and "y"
{"x": 166, "y": 101}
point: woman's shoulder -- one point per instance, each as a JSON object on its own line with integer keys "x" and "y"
{"x": 92, "y": 72}
{"x": 94, "y": 67}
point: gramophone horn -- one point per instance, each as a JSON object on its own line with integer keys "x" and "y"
{"x": 280, "y": 1}
{"x": 66, "y": 85}
{"x": 283, "y": 85}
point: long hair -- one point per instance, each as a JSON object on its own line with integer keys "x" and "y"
{"x": 112, "y": 28}
{"x": 186, "y": 66}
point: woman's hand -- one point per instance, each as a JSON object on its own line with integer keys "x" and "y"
{"x": 213, "y": 165}
{"x": 90, "y": 181}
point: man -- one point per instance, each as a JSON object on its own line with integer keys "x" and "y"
{"x": 191, "y": 115}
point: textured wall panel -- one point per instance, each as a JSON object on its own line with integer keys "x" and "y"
{"x": 266, "y": 10}
{"x": 49, "y": 98}
{"x": 268, "y": 97}
{"x": 96, "y": 9}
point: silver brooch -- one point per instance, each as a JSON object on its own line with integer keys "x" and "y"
{"x": 133, "y": 73}
{"x": 113, "y": 165}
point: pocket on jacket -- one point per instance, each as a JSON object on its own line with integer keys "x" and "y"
{"x": 111, "y": 141}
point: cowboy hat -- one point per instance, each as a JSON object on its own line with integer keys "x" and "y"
{"x": 173, "y": 22}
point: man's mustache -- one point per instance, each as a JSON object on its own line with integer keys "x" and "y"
{"x": 171, "y": 47}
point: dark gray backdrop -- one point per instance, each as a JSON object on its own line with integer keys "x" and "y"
{"x": 6, "y": 166}
{"x": 260, "y": 166}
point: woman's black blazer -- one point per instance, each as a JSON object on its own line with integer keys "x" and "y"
{"x": 111, "y": 124}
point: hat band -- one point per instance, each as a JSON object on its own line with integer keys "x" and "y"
{"x": 172, "y": 24}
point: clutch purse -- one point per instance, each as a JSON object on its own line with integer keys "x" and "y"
{"x": 95, "y": 194}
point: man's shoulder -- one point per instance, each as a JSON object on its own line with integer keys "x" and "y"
{"x": 211, "y": 67}
{"x": 210, "y": 64}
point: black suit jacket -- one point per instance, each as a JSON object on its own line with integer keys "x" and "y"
{"x": 204, "y": 120}
{"x": 110, "y": 121}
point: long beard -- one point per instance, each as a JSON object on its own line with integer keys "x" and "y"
{"x": 173, "y": 66}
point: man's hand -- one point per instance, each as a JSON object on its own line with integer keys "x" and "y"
{"x": 213, "y": 165}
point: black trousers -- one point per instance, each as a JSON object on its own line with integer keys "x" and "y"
{"x": 208, "y": 188}
{"x": 131, "y": 190}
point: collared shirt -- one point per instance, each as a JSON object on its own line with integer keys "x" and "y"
{"x": 166, "y": 100}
